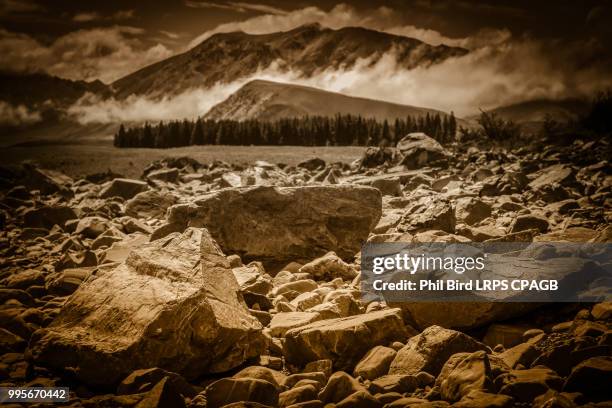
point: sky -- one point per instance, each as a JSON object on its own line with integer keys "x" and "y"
{"x": 519, "y": 49}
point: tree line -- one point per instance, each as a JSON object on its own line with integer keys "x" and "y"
{"x": 339, "y": 130}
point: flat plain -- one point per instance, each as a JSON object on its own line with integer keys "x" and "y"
{"x": 78, "y": 160}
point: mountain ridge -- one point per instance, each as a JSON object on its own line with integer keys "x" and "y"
{"x": 269, "y": 100}
{"x": 226, "y": 57}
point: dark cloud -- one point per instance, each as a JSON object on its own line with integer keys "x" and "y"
{"x": 106, "y": 53}
{"x": 240, "y": 7}
{"x": 19, "y": 6}
{"x": 89, "y": 16}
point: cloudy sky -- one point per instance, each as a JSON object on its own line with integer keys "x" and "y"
{"x": 108, "y": 39}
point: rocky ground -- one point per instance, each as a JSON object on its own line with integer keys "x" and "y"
{"x": 210, "y": 285}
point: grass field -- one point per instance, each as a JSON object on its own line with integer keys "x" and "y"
{"x": 78, "y": 160}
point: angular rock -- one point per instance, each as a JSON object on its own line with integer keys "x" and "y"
{"x": 602, "y": 311}
{"x": 375, "y": 363}
{"x": 339, "y": 386}
{"x": 555, "y": 174}
{"x": 47, "y": 181}
{"x": 169, "y": 175}
{"x": 526, "y": 385}
{"x": 163, "y": 394}
{"x": 296, "y": 395}
{"x": 428, "y": 213}
{"x": 481, "y": 399}
{"x": 471, "y": 373}
{"x": 343, "y": 340}
{"x": 274, "y": 377}
{"x": 592, "y": 378}
{"x": 253, "y": 279}
{"x": 472, "y": 210}
{"x": 360, "y": 399}
{"x": 285, "y": 321}
{"x": 460, "y": 315}
{"x": 378, "y": 156}
{"x": 91, "y": 227}
{"x": 528, "y": 222}
{"x": 150, "y": 204}
{"x": 125, "y": 188}
{"x": 328, "y": 267}
{"x": 307, "y": 300}
{"x": 395, "y": 383}
{"x": 505, "y": 334}
{"x": 25, "y": 279}
{"x": 299, "y": 223}
{"x": 429, "y": 351}
{"x": 312, "y": 164}
{"x": 10, "y": 342}
{"x": 48, "y": 216}
{"x": 228, "y": 390}
{"x": 67, "y": 281}
{"x": 172, "y": 304}
{"x": 145, "y": 379}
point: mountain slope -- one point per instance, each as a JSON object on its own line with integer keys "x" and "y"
{"x": 537, "y": 110}
{"x": 532, "y": 114}
{"x": 307, "y": 49}
{"x": 266, "y": 100}
{"x": 37, "y": 89}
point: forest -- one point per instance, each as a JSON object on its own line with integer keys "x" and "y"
{"x": 339, "y": 130}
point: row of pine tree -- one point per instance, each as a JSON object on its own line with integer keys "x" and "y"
{"x": 339, "y": 130}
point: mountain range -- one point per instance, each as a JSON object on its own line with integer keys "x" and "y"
{"x": 306, "y": 50}
{"x": 228, "y": 57}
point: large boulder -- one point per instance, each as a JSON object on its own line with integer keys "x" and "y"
{"x": 173, "y": 304}
{"x": 344, "y": 340}
{"x": 420, "y": 150}
{"x": 298, "y": 223}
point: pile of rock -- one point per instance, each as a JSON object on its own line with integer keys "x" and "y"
{"x": 223, "y": 285}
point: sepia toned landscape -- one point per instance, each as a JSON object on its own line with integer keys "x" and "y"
{"x": 186, "y": 188}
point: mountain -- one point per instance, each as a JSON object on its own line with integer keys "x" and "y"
{"x": 307, "y": 49}
{"x": 266, "y": 100}
{"x": 38, "y": 90}
{"x": 532, "y": 114}
{"x": 46, "y": 98}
